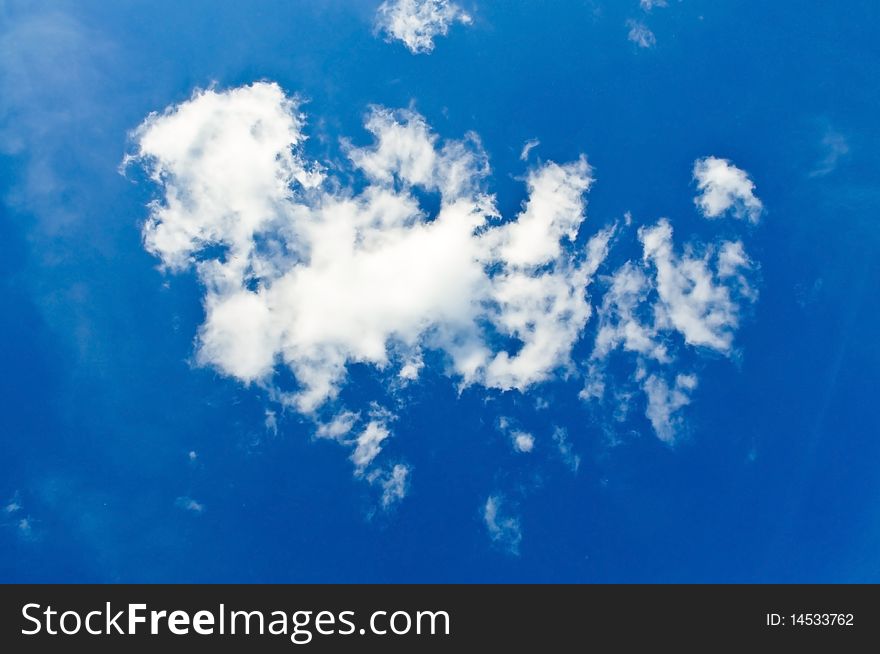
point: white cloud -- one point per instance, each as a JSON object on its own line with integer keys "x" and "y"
{"x": 412, "y": 368}
{"x": 664, "y": 401}
{"x": 650, "y": 303}
{"x": 725, "y": 188}
{"x": 671, "y": 292}
{"x": 522, "y": 441}
{"x": 366, "y": 446}
{"x": 640, "y": 34}
{"x": 302, "y": 272}
{"x": 417, "y": 23}
{"x": 226, "y": 164}
{"x": 394, "y": 484}
{"x": 619, "y": 322}
{"x": 734, "y": 264}
{"x": 299, "y": 272}
{"x": 338, "y": 426}
{"x": 545, "y": 311}
{"x": 504, "y": 530}
{"x": 690, "y": 300}
{"x": 369, "y": 444}
{"x": 731, "y": 258}
{"x": 529, "y": 145}
{"x": 552, "y": 214}
{"x": 594, "y": 387}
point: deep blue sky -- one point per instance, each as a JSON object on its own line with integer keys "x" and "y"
{"x": 778, "y": 477}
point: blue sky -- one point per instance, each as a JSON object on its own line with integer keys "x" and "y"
{"x": 136, "y": 446}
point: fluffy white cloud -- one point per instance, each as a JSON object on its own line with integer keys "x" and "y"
{"x": 522, "y": 441}
{"x": 723, "y": 188}
{"x": 412, "y": 368}
{"x": 417, "y": 23}
{"x": 226, "y": 163}
{"x": 504, "y": 530}
{"x": 301, "y": 272}
{"x": 640, "y": 34}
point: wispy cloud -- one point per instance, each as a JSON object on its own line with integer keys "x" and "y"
{"x": 43, "y": 103}
{"x": 23, "y": 525}
{"x": 835, "y": 147}
{"x": 186, "y": 503}
{"x": 368, "y": 444}
{"x": 640, "y": 34}
{"x": 13, "y": 505}
{"x": 670, "y": 301}
{"x": 566, "y": 451}
{"x": 26, "y": 528}
{"x": 504, "y": 529}
{"x": 529, "y": 145}
{"x": 664, "y": 402}
{"x": 271, "y": 422}
{"x": 648, "y": 5}
{"x": 394, "y": 484}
